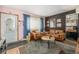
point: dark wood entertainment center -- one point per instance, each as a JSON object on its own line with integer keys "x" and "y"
{"x": 61, "y": 16}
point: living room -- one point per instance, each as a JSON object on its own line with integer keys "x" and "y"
{"x": 50, "y": 29}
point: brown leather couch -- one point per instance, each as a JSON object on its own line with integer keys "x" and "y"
{"x": 58, "y": 34}
{"x": 34, "y": 35}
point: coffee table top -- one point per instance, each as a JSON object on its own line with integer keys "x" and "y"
{"x": 47, "y": 38}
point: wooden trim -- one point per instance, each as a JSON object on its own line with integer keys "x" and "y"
{"x": 17, "y": 27}
{"x": 8, "y": 13}
{"x": 0, "y": 26}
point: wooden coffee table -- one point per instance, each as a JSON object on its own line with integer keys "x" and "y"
{"x": 48, "y": 39}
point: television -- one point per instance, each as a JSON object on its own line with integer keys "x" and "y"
{"x": 72, "y": 35}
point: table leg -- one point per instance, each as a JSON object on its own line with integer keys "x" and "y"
{"x": 48, "y": 44}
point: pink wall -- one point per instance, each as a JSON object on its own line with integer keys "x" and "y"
{"x": 20, "y": 17}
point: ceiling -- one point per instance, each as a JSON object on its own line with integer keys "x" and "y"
{"x": 44, "y": 10}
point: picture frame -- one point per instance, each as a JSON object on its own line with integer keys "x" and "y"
{"x": 71, "y": 20}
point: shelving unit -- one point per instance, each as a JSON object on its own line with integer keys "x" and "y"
{"x": 47, "y": 23}
{"x": 59, "y": 23}
{"x": 69, "y": 23}
{"x": 53, "y": 23}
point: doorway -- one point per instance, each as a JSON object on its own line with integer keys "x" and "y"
{"x": 9, "y": 27}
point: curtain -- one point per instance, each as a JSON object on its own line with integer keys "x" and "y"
{"x": 42, "y": 24}
{"x": 26, "y": 25}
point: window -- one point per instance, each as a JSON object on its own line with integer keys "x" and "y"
{"x": 35, "y": 23}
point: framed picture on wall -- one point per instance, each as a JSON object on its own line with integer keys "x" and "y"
{"x": 71, "y": 20}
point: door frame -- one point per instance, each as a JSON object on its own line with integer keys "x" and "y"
{"x": 16, "y": 25}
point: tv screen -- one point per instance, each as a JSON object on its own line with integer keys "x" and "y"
{"x": 72, "y": 35}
